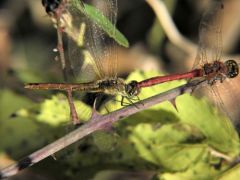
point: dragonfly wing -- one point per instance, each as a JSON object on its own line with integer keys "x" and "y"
{"x": 229, "y": 93}
{"x": 107, "y": 55}
{"x": 113, "y": 59}
{"x": 210, "y": 34}
{"x": 82, "y": 63}
{"x": 225, "y": 100}
{"x": 220, "y": 104}
{"x": 91, "y": 49}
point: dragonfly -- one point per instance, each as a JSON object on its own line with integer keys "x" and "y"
{"x": 208, "y": 64}
{"x": 221, "y": 75}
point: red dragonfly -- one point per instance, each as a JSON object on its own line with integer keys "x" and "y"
{"x": 220, "y": 75}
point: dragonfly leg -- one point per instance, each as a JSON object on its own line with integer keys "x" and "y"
{"x": 127, "y": 104}
{"x": 132, "y": 103}
{"x": 222, "y": 78}
{"x": 124, "y": 103}
{"x": 106, "y": 109}
{"x": 139, "y": 100}
{"x": 135, "y": 98}
{"x": 73, "y": 111}
{"x": 122, "y": 100}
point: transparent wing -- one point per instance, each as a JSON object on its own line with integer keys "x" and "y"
{"x": 229, "y": 94}
{"x": 92, "y": 52}
{"x": 210, "y": 35}
{"x": 223, "y": 95}
{"x": 218, "y": 100}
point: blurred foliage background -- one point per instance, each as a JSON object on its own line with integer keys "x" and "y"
{"x": 159, "y": 143}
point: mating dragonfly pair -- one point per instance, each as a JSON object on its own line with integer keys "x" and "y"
{"x": 208, "y": 63}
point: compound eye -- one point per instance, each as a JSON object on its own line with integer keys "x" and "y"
{"x": 132, "y": 89}
{"x": 232, "y": 68}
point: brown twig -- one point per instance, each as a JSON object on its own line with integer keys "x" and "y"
{"x": 60, "y": 43}
{"x": 98, "y": 122}
{"x": 170, "y": 28}
{"x": 57, "y": 17}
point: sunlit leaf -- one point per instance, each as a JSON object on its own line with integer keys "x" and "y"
{"x": 199, "y": 171}
{"x": 56, "y": 111}
{"x": 169, "y": 146}
{"x": 231, "y": 174}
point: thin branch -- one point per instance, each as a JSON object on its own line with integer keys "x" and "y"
{"x": 169, "y": 27}
{"x": 57, "y": 16}
{"x": 60, "y": 43}
{"x": 219, "y": 154}
{"x": 98, "y": 122}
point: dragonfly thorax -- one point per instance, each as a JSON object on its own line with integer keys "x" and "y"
{"x": 219, "y": 71}
{"x": 214, "y": 68}
{"x": 215, "y": 71}
{"x": 119, "y": 87}
{"x": 114, "y": 86}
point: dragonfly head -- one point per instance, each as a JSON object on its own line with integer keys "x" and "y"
{"x": 232, "y": 68}
{"x": 132, "y": 89}
{"x": 50, "y": 5}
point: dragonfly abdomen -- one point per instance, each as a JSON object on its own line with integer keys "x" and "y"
{"x": 93, "y": 87}
{"x": 112, "y": 86}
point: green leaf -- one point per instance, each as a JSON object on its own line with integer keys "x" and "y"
{"x": 168, "y": 146}
{"x": 105, "y": 24}
{"x": 18, "y": 134}
{"x": 231, "y": 174}
{"x": 55, "y": 111}
{"x": 212, "y": 124}
{"x": 105, "y": 141}
{"x": 199, "y": 171}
